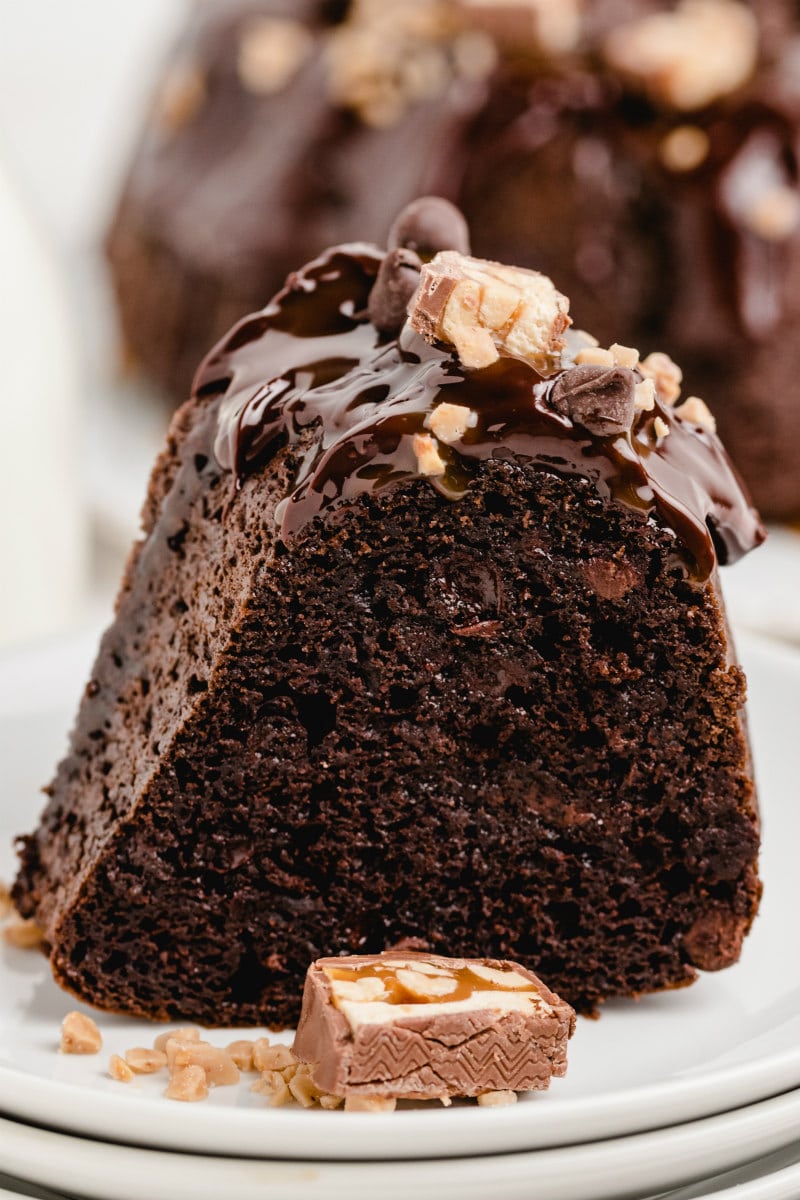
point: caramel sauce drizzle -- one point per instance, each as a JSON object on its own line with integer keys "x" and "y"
{"x": 467, "y": 982}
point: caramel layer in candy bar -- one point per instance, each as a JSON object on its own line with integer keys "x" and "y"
{"x": 421, "y": 1027}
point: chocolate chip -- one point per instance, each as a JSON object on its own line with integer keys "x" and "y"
{"x": 395, "y": 284}
{"x": 601, "y": 399}
{"x": 610, "y": 579}
{"x": 428, "y": 225}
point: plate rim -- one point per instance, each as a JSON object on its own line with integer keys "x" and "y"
{"x": 65, "y": 1107}
{"x": 664, "y": 1159}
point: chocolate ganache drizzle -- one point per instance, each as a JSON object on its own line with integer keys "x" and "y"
{"x": 312, "y": 363}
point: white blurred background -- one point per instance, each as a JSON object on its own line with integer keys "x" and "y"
{"x": 74, "y": 78}
{"x": 78, "y": 435}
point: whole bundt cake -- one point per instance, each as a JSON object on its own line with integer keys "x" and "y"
{"x": 422, "y": 647}
{"x": 643, "y": 154}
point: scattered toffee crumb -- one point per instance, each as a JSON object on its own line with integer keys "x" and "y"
{"x": 195, "y": 1066}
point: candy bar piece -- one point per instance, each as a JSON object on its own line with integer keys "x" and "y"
{"x": 420, "y": 1027}
{"x": 485, "y": 309}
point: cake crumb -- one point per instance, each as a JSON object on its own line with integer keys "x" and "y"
{"x": 188, "y": 1084}
{"x": 80, "y": 1035}
{"x": 118, "y": 1069}
{"x": 661, "y": 427}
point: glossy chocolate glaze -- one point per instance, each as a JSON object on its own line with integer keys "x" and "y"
{"x": 313, "y": 360}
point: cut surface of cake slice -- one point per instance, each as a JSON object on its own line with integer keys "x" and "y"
{"x": 422, "y": 648}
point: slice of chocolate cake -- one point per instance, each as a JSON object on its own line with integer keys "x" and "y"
{"x": 422, "y": 648}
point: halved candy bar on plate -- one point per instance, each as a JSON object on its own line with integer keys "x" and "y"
{"x": 413, "y": 1026}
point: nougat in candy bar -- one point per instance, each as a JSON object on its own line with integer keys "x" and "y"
{"x": 421, "y": 1027}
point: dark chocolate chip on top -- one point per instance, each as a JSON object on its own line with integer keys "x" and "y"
{"x": 428, "y": 225}
{"x": 395, "y": 284}
{"x": 601, "y": 399}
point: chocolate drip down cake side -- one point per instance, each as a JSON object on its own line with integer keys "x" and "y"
{"x": 421, "y": 649}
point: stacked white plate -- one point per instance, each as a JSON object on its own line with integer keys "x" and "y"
{"x": 701, "y": 1084}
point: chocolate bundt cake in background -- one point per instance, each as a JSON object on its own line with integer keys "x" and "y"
{"x": 422, "y": 647}
{"x": 644, "y": 155}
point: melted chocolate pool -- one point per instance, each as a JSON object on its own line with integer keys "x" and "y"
{"x": 313, "y": 360}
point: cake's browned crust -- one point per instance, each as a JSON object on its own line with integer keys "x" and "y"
{"x": 508, "y": 725}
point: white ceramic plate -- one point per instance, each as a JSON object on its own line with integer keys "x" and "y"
{"x": 732, "y": 1039}
{"x": 608, "y": 1170}
{"x": 776, "y": 1177}
{"x": 762, "y": 591}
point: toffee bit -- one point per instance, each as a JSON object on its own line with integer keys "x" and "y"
{"x": 449, "y": 422}
{"x": 429, "y": 460}
{"x": 644, "y": 396}
{"x": 696, "y": 412}
{"x": 665, "y": 374}
{"x": 80, "y": 1035}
